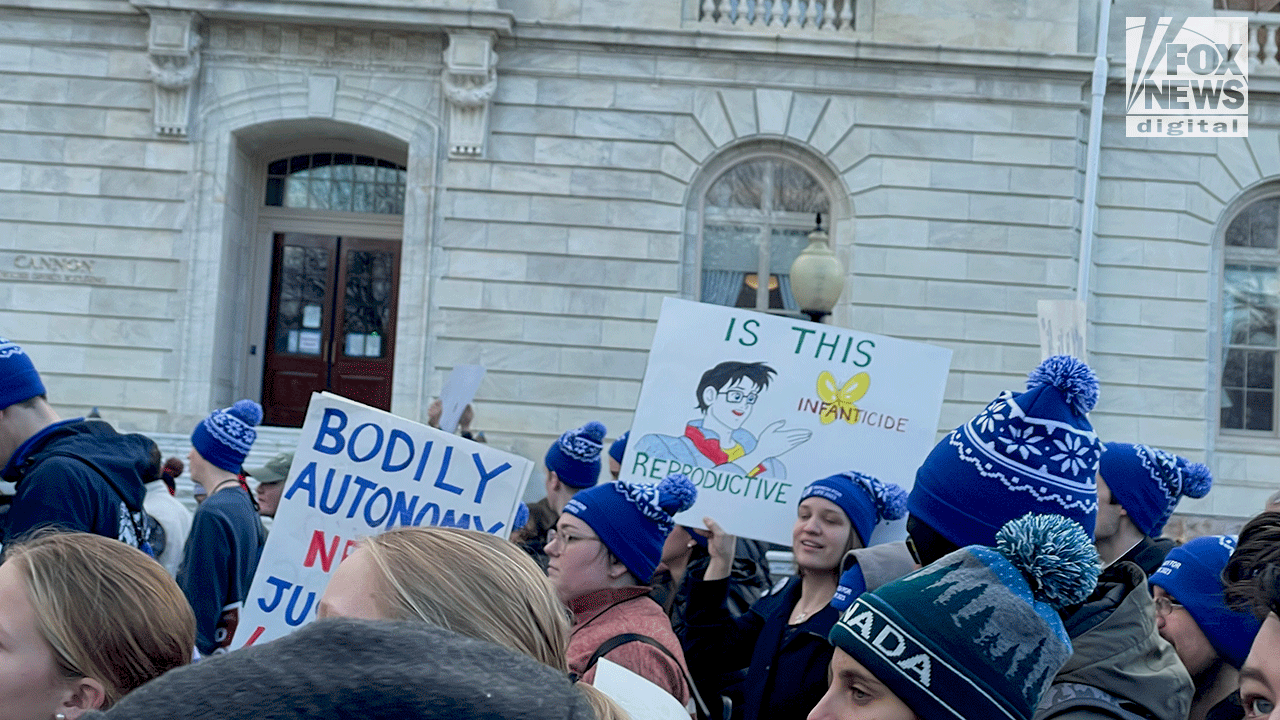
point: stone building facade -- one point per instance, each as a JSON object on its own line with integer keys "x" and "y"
{"x": 527, "y": 179}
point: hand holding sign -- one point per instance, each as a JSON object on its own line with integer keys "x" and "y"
{"x": 723, "y": 547}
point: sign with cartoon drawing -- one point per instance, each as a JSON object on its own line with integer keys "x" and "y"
{"x": 754, "y": 407}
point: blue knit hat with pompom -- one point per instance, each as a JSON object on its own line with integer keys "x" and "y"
{"x": 575, "y": 455}
{"x": 633, "y": 520}
{"x": 1029, "y": 452}
{"x": 1148, "y": 482}
{"x": 225, "y": 437}
{"x": 863, "y": 498}
{"x": 976, "y": 634}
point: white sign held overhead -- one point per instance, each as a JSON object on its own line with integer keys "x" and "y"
{"x": 458, "y": 390}
{"x": 359, "y": 471}
{"x": 754, "y": 407}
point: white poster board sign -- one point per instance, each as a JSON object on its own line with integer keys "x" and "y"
{"x": 1062, "y": 328}
{"x": 641, "y": 699}
{"x": 754, "y": 407}
{"x": 359, "y": 471}
{"x": 458, "y": 390}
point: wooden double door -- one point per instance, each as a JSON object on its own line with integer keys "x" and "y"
{"x": 331, "y": 323}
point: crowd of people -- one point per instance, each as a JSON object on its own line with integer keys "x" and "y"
{"x": 1033, "y": 584}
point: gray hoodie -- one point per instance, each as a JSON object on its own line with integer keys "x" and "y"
{"x": 1117, "y": 650}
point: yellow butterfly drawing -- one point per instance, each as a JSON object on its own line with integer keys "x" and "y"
{"x": 838, "y": 401}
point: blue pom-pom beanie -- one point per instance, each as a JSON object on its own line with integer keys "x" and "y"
{"x": 1192, "y": 575}
{"x": 1029, "y": 452}
{"x": 575, "y": 456}
{"x": 633, "y": 520}
{"x": 1148, "y": 482}
{"x": 863, "y": 498}
{"x": 19, "y": 380}
{"x": 976, "y": 634}
{"x": 225, "y": 437}
{"x": 619, "y": 447}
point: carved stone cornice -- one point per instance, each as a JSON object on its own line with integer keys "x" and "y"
{"x": 469, "y": 78}
{"x": 173, "y": 44}
{"x": 397, "y": 14}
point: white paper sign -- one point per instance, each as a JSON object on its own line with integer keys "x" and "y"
{"x": 1062, "y": 328}
{"x": 463, "y": 382}
{"x": 754, "y": 407}
{"x": 641, "y": 699}
{"x": 359, "y": 471}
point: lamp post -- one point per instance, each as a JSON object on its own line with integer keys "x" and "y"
{"x": 817, "y": 277}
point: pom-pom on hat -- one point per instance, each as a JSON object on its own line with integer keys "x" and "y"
{"x": 863, "y": 498}
{"x": 19, "y": 380}
{"x": 1149, "y": 482}
{"x": 1029, "y": 452}
{"x": 977, "y": 633}
{"x": 575, "y": 456}
{"x": 619, "y": 446}
{"x": 634, "y": 519}
{"x": 225, "y": 437}
{"x": 1192, "y": 575}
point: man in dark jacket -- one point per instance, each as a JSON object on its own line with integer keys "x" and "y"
{"x": 74, "y": 474}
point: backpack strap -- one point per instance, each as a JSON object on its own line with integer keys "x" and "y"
{"x": 617, "y": 641}
{"x": 1068, "y": 696}
{"x": 137, "y": 517}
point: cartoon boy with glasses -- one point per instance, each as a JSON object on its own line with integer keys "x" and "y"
{"x": 727, "y": 394}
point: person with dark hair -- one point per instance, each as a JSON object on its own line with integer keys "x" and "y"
{"x": 1036, "y": 452}
{"x": 225, "y": 543}
{"x": 170, "y": 473}
{"x": 1138, "y": 489}
{"x": 781, "y": 640}
{"x": 572, "y": 464}
{"x": 726, "y": 395}
{"x": 1257, "y": 548}
{"x": 1211, "y": 639}
{"x": 74, "y": 474}
{"x": 172, "y": 517}
{"x": 1253, "y": 583}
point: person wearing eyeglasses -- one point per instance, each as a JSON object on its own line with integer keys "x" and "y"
{"x": 603, "y": 550}
{"x": 727, "y": 395}
{"x": 782, "y": 639}
{"x": 1211, "y": 639}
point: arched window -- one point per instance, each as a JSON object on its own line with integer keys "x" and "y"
{"x": 1250, "y": 300}
{"x": 756, "y": 217}
{"x": 336, "y": 181}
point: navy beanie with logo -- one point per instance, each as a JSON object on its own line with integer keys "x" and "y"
{"x": 1028, "y": 452}
{"x": 1148, "y": 482}
{"x": 226, "y": 436}
{"x": 1192, "y": 575}
{"x": 19, "y": 380}
{"x": 863, "y": 498}
{"x": 976, "y": 634}
{"x": 634, "y": 519}
{"x": 575, "y": 455}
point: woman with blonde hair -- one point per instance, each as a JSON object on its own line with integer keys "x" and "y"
{"x": 472, "y": 583}
{"x": 85, "y": 620}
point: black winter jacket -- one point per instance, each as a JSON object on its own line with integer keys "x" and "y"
{"x": 786, "y": 666}
{"x": 60, "y": 480}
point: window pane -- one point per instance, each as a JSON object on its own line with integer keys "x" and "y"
{"x": 1261, "y": 370}
{"x": 1256, "y": 226}
{"x": 367, "y": 307}
{"x": 303, "y": 274}
{"x": 795, "y": 190}
{"x": 731, "y": 247}
{"x": 1249, "y": 305}
{"x": 741, "y": 187}
{"x": 336, "y": 181}
{"x": 1258, "y": 411}
{"x": 1233, "y": 367}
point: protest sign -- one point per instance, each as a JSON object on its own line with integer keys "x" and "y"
{"x": 463, "y": 382}
{"x": 1062, "y": 328}
{"x": 635, "y": 694}
{"x": 754, "y": 407}
{"x": 359, "y": 471}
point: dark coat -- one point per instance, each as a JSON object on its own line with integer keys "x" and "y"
{"x": 1149, "y": 554}
{"x": 786, "y": 667}
{"x": 59, "y": 474}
